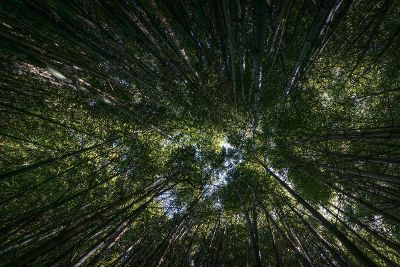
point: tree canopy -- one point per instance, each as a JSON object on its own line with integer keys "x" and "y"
{"x": 199, "y": 133}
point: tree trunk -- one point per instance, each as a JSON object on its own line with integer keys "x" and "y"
{"x": 353, "y": 249}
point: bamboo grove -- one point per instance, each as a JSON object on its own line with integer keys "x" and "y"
{"x": 199, "y": 133}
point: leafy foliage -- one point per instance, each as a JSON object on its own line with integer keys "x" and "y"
{"x": 199, "y": 133}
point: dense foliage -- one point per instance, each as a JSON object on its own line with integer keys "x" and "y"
{"x": 199, "y": 133}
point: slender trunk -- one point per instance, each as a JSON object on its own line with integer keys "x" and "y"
{"x": 336, "y": 255}
{"x": 353, "y": 249}
{"x": 380, "y": 177}
{"x": 260, "y": 10}
{"x": 255, "y": 251}
{"x": 72, "y": 232}
{"x": 278, "y": 256}
{"x": 46, "y": 162}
